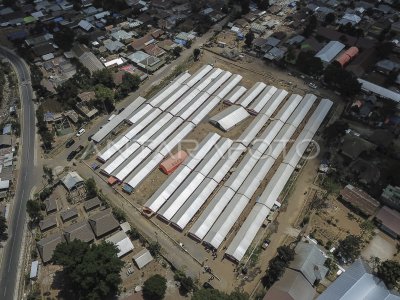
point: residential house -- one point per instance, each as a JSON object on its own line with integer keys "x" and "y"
{"x": 79, "y": 231}
{"x": 72, "y": 181}
{"x": 352, "y": 146}
{"x": 140, "y": 43}
{"x": 69, "y": 214}
{"x": 167, "y": 45}
{"x": 91, "y": 204}
{"x": 142, "y": 258}
{"x": 359, "y": 199}
{"x": 389, "y": 221}
{"x": 154, "y": 50}
{"x": 391, "y": 197}
{"x": 51, "y": 204}
{"x": 103, "y": 223}
{"x": 386, "y": 66}
{"x": 87, "y": 58}
{"x": 46, "y": 246}
{"x": 122, "y": 241}
{"x": 330, "y": 51}
{"x": 357, "y": 282}
{"x": 48, "y": 223}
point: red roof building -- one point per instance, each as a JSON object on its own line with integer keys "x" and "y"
{"x": 173, "y": 162}
{"x": 346, "y": 56}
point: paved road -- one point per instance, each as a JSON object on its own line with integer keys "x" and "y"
{"x": 12, "y": 251}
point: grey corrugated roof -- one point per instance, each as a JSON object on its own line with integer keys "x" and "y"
{"x": 47, "y": 246}
{"x": 69, "y": 214}
{"x": 309, "y": 260}
{"x": 330, "y": 51}
{"x": 103, "y": 222}
{"x": 91, "y": 203}
{"x": 48, "y": 223}
{"x": 80, "y": 231}
{"x": 357, "y": 283}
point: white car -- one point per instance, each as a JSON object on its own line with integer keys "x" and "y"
{"x": 80, "y": 132}
{"x": 313, "y": 85}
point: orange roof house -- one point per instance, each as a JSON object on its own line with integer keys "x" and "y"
{"x": 173, "y": 162}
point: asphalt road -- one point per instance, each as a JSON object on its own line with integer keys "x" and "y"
{"x": 17, "y": 217}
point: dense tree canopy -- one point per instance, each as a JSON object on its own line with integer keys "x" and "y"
{"x": 91, "y": 188}
{"x": 248, "y": 39}
{"x": 33, "y": 210}
{"x": 389, "y": 272}
{"x": 154, "y": 288}
{"x": 349, "y": 248}
{"x": 3, "y": 228}
{"x": 104, "y": 77}
{"x": 277, "y": 265}
{"x": 93, "y": 272}
{"x": 344, "y": 81}
{"x": 309, "y": 64}
{"x": 64, "y": 38}
{"x": 187, "y": 284}
{"x": 311, "y": 25}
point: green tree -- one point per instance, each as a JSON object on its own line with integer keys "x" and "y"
{"x": 286, "y": 253}
{"x": 196, "y": 53}
{"x": 277, "y": 265}
{"x": 330, "y": 18}
{"x": 154, "y": 288}
{"x": 349, "y": 248}
{"x": 248, "y": 39}
{"x": 129, "y": 84}
{"x": 92, "y": 271}
{"x": 311, "y": 25}
{"x": 154, "y": 248}
{"x": 103, "y": 77}
{"x": 177, "y": 51}
{"x": 309, "y": 64}
{"x": 64, "y": 38}
{"x": 389, "y": 272}
{"x": 91, "y": 188}
{"x": 245, "y": 4}
{"x": 33, "y": 210}
{"x": 3, "y": 228}
{"x": 187, "y": 284}
{"x": 262, "y": 4}
{"x": 343, "y": 81}
{"x": 104, "y": 98}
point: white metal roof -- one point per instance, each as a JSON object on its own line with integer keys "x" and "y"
{"x": 251, "y": 94}
{"x": 256, "y": 176}
{"x": 274, "y": 102}
{"x": 140, "y": 113}
{"x": 247, "y": 232}
{"x": 276, "y": 185}
{"x": 217, "y": 82}
{"x": 206, "y": 80}
{"x": 253, "y": 129}
{"x": 182, "y": 101}
{"x": 226, "y": 162}
{"x": 280, "y": 141}
{"x": 319, "y": 115}
{"x": 235, "y": 94}
{"x": 213, "y": 156}
{"x": 112, "y": 164}
{"x": 194, "y": 203}
{"x": 204, "y": 110}
{"x": 167, "y": 188}
{"x": 167, "y": 102}
{"x": 142, "y": 123}
{"x": 211, "y": 213}
{"x": 144, "y": 170}
{"x": 168, "y": 90}
{"x": 330, "y": 51}
{"x": 288, "y": 108}
{"x": 379, "y": 90}
{"x": 142, "y": 258}
{"x": 131, "y": 163}
{"x": 193, "y": 105}
{"x": 197, "y": 154}
{"x": 226, "y": 220}
{"x": 229, "y": 118}
{"x": 122, "y": 241}
{"x": 107, "y": 128}
{"x": 34, "y": 269}
{"x": 228, "y": 86}
{"x": 302, "y": 109}
{"x": 242, "y": 171}
{"x": 179, "y": 197}
{"x": 198, "y": 75}
{"x": 266, "y": 138}
{"x": 113, "y": 148}
{"x": 298, "y": 148}
{"x": 164, "y": 132}
{"x": 262, "y": 99}
{"x": 153, "y": 128}
{"x": 175, "y": 138}
{"x": 132, "y": 107}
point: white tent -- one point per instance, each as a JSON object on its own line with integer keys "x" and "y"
{"x": 204, "y": 110}
{"x": 266, "y": 138}
{"x": 235, "y": 94}
{"x": 197, "y": 154}
{"x": 198, "y": 75}
{"x": 142, "y": 123}
{"x": 226, "y": 88}
{"x": 113, "y": 148}
{"x": 274, "y": 102}
{"x": 119, "y": 158}
{"x": 163, "y": 133}
{"x": 242, "y": 170}
{"x": 131, "y": 163}
{"x": 193, "y": 105}
{"x": 169, "y": 89}
{"x": 302, "y": 109}
{"x": 251, "y": 94}
{"x": 229, "y": 118}
{"x": 253, "y": 129}
{"x": 319, "y": 115}
{"x": 288, "y": 108}
{"x": 153, "y": 128}
{"x": 262, "y": 100}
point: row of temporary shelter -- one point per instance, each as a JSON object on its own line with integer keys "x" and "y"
{"x": 260, "y": 99}
{"x": 159, "y": 124}
{"x": 269, "y": 198}
{"x": 182, "y": 195}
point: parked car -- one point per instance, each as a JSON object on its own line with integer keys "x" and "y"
{"x": 69, "y": 143}
{"x": 266, "y": 244}
{"x": 79, "y": 149}
{"x": 71, "y": 155}
{"x": 312, "y": 85}
{"x": 80, "y": 132}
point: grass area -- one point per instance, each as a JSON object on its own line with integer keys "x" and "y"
{"x": 178, "y": 70}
